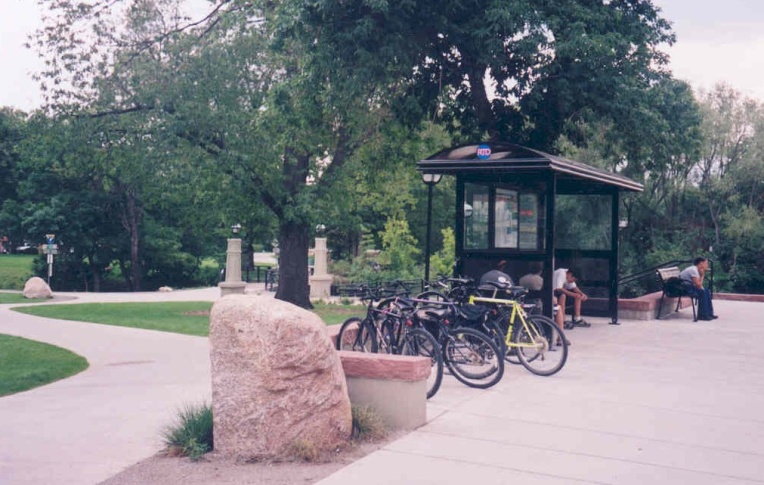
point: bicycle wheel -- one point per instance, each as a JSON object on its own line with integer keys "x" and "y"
{"x": 499, "y": 337}
{"x": 356, "y": 335}
{"x": 472, "y": 358}
{"x": 500, "y": 321}
{"x": 390, "y": 334}
{"x": 537, "y": 346}
{"x": 419, "y": 342}
{"x": 537, "y": 318}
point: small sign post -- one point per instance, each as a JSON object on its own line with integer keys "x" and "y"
{"x": 50, "y": 249}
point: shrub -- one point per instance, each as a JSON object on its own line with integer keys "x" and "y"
{"x": 191, "y": 435}
{"x": 367, "y": 424}
{"x": 442, "y": 262}
{"x": 305, "y": 450}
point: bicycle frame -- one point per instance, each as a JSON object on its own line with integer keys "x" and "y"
{"x": 517, "y": 311}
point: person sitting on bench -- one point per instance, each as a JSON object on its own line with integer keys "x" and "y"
{"x": 565, "y": 287}
{"x": 693, "y": 279}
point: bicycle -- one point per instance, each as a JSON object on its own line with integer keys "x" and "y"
{"x": 471, "y": 356}
{"x": 538, "y": 343}
{"x": 458, "y": 291}
{"x": 383, "y": 330}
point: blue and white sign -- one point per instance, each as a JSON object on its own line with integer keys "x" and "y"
{"x": 483, "y": 152}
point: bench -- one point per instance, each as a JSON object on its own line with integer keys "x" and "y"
{"x": 673, "y": 287}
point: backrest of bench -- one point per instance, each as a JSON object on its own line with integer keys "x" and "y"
{"x": 666, "y": 273}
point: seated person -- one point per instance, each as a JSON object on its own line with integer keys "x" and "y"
{"x": 565, "y": 287}
{"x": 693, "y": 278}
{"x": 497, "y": 275}
{"x": 534, "y": 282}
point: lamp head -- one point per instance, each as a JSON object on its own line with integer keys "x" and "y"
{"x": 431, "y": 178}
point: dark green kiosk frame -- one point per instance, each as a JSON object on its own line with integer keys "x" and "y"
{"x": 508, "y": 197}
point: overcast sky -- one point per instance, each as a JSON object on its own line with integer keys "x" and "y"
{"x": 716, "y": 41}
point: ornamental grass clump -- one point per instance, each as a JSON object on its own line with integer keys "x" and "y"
{"x": 367, "y": 424}
{"x": 191, "y": 435}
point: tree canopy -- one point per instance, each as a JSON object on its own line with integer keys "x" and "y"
{"x": 167, "y": 128}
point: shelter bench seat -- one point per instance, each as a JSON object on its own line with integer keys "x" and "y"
{"x": 673, "y": 287}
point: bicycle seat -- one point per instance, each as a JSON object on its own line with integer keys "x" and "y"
{"x": 517, "y": 291}
{"x": 460, "y": 281}
{"x": 431, "y": 313}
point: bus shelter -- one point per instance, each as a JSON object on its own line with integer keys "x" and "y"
{"x": 535, "y": 210}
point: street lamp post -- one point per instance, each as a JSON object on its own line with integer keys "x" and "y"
{"x": 431, "y": 179}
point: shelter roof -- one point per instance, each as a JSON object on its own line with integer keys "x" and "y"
{"x": 501, "y": 157}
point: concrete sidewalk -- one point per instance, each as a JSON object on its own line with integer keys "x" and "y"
{"x": 662, "y": 402}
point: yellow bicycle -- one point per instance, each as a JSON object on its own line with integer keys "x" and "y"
{"x": 535, "y": 340}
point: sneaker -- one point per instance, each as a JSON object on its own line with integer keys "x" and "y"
{"x": 569, "y": 325}
{"x": 567, "y": 342}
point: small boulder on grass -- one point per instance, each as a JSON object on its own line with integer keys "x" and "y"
{"x": 36, "y": 288}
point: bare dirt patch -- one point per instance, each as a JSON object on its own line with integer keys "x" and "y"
{"x": 198, "y": 313}
{"x": 215, "y": 469}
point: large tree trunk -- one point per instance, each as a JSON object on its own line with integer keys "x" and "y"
{"x": 96, "y": 270}
{"x": 131, "y": 223}
{"x": 294, "y": 240}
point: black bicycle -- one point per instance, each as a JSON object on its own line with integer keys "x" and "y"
{"x": 471, "y": 356}
{"x": 388, "y": 330}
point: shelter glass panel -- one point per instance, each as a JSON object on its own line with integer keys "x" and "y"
{"x": 531, "y": 225}
{"x": 476, "y": 211}
{"x": 506, "y": 219}
{"x": 583, "y": 221}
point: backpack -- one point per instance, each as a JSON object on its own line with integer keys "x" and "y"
{"x": 675, "y": 286}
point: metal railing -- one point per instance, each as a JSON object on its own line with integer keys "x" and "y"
{"x": 356, "y": 288}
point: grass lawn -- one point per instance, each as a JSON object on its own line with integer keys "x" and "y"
{"x": 186, "y": 317}
{"x": 18, "y": 298}
{"x": 25, "y": 364}
{"x": 191, "y": 318}
{"x": 15, "y": 270}
{"x": 334, "y": 314}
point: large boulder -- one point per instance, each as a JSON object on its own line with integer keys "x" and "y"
{"x": 36, "y": 287}
{"x": 277, "y": 382}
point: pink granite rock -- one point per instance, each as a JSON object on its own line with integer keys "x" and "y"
{"x": 277, "y": 381}
{"x": 36, "y": 287}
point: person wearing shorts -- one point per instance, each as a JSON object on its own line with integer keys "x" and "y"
{"x": 565, "y": 287}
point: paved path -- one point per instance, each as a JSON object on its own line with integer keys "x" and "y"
{"x": 84, "y": 429}
{"x": 664, "y": 402}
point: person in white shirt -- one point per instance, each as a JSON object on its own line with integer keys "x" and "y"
{"x": 564, "y": 281}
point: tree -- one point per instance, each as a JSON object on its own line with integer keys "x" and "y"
{"x": 284, "y": 94}
{"x": 12, "y": 134}
{"x": 518, "y": 70}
